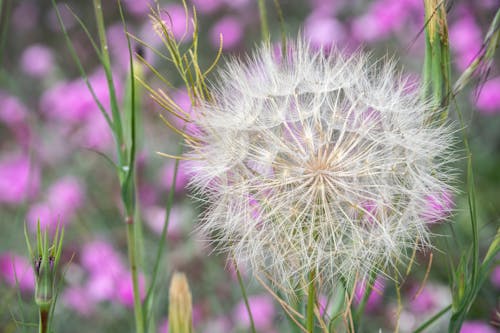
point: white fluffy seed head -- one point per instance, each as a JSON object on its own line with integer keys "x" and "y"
{"x": 317, "y": 162}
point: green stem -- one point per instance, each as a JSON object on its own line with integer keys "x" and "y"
{"x": 132, "y": 255}
{"x": 44, "y": 320}
{"x": 245, "y": 298}
{"x": 263, "y": 20}
{"x": 311, "y": 302}
{"x": 429, "y": 322}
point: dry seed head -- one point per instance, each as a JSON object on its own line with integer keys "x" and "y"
{"x": 314, "y": 162}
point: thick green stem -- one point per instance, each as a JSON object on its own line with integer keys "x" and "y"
{"x": 263, "y": 20}
{"x": 311, "y": 302}
{"x": 132, "y": 256}
{"x": 44, "y": 321}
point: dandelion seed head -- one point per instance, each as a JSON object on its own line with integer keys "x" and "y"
{"x": 317, "y": 162}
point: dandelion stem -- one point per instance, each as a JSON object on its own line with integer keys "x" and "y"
{"x": 245, "y": 298}
{"x": 263, "y": 20}
{"x": 311, "y": 301}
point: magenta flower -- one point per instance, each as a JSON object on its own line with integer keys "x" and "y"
{"x": 232, "y": 33}
{"x": 13, "y": 114}
{"x": 438, "y": 206}
{"x": 99, "y": 257}
{"x": 137, "y": 7}
{"x": 16, "y": 270}
{"x": 167, "y": 174}
{"x": 18, "y": 179}
{"x": 65, "y": 196}
{"x": 125, "y": 292}
{"x": 42, "y": 212}
{"x": 323, "y": 31}
{"x": 175, "y": 18}
{"x": 488, "y": 101}
{"x": 424, "y": 302}
{"x": 376, "y": 294}
{"x": 155, "y": 219}
{"x": 465, "y": 39}
{"x": 477, "y": 327}
{"x": 263, "y": 312}
{"x": 77, "y": 298}
{"x": 37, "y": 60}
{"x": 207, "y": 6}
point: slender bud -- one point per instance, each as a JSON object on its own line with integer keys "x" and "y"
{"x": 180, "y": 314}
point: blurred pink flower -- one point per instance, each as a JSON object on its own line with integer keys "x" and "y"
{"x": 17, "y": 271}
{"x": 99, "y": 257}
{"x": 488, "y": 102}
{"x": 181, "y": 98}
{"x": 12, "y": 111}
{"x": 37, "y": 60}
{"x": 174, "y": 17}
{"x": 238, "y": 4}
{"x": 65, "y": 196}
{"x": 25, "y": 16}
{"x": 102, "y": 286}
{"x": 323, "y": 31}
{"x": 439, "y": 207}
{"x": 94, "y": 134}
{"x": 77, "y": 298}
{"x": 424, "y": 302}
{"x": 232, "y": 33}
{"x": 154, "y": 217}
{"x": 385, "y": 17}
{"x": 263, "y": 312}
{"x": 138, "y": 7}
{"x": 465, "y": 39}
{"x": 72, "y": 101}
{"x": 167, "y": 174}
{"x": 376, "y": 294}
{"x": 43, "y": 213}
{"x": 13, "y": 114}
{"x": 19, "y": 180}
{"x": 495, "y": 277}
{"x": 207, "y": 6}
{"x": 125, "y": 292}
{"x": 476, "y": 326}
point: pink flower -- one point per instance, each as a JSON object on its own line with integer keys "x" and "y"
{"x": 323, "y": 31}
{"x": 465, "y": 39}
{"x": 263, "y": 312}
{"x": 488, "y": 101}
{"x": 13, "y": 114}
{"x": 65, "y": 196}
{"x": 78, "y": 299}
{"x": 167, "y": 174}
{"x": 99, "y": 257}
{"x": 424, "y": 302}
{"x": 18, "y": 179}
{"x": 43, "y": 213}
{"x": 155, "y": 219}
{"x": 125, "y": 292}
{"x": 376, "y": 294}
{"x": 232, "y": 33}
{"x": 207, "y": 6}
{"x": 174, "y": 17}
{"x": 17, "y": 271}
{"x": 37, "y": 60}
{"x": 137, "y": 7}
{"x": 476, "y": 327}
{"x": 438, "y": 207}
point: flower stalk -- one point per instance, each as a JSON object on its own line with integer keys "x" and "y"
{"x": 45, "y": 258}
{"x": 311, "y": 302}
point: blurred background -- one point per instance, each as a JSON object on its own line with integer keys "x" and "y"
{"x": 52, "y": 137}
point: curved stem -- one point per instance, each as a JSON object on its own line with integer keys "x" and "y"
{"x": 245, "y": 298}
